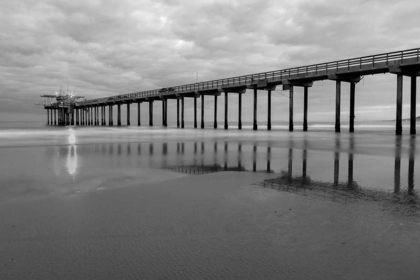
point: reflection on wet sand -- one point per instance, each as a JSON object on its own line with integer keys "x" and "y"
{"x": 67, "y": 157}
{"x": 201, "y": 157}
{"x": 349, "y": 189}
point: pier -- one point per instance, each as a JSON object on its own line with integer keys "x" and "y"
{"x": 400, "y": 63}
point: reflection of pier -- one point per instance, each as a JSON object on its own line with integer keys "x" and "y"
{"x": 207, "y": 157}
{"x": 198, "y": 170}
{"x": 203, "y": 168}
{"x": 348, "y": 189}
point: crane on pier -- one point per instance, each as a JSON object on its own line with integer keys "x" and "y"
{"x": 63, "y": 102}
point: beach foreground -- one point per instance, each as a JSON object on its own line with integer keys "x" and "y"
{"x": 165, "y": 205}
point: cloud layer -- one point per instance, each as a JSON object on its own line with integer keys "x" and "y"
{"x": 102, "y": 48}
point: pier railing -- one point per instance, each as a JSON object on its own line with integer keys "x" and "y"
{"x": 264, "y": 76}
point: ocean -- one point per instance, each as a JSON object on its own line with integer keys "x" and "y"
{"x": 129, "y": 202}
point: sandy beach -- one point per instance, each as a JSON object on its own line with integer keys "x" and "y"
{"x": 125, "y": 204}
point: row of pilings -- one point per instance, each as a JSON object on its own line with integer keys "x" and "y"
{"x": 96, "y": 114}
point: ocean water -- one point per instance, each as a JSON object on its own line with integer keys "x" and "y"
{"x": 164, "y": 203}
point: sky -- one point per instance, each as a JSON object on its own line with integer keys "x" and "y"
{"x": 104, "y": 48}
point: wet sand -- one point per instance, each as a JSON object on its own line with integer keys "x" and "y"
{"x": 169, "y": 206}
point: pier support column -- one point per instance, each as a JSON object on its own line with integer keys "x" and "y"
{"x": 71, "y": 117}
{"x": 177, "y": 113}
{"x": 195, "y": 112}
{"x": 352, "y": 97}
{"x": 215, "y": 111}
{"x": 240, "y": 111}
{"x": 48, "y": 117}
{"x": 163, "y": 112}
{"x": 96, "y": 115}
{"x": 111, "y": 121}
{"x": 337, "y": 106}
{"x": 128, "y": 113}
{"x": 182, "y": 112}
{"x": 119, "y": 114}
{"x": 86, "y": 115}
{"x": 398, "y": 125}
{"x": 353, "y": 80}
{"x": 255, "y": 127}
{"x": 166, "y": 112}
{"x": 138, "y": 114}
{"x": 102, "y": 115}
{"x": 150, "y": 113}
{"x": 51, "y": 116}
{"x": 305, "y": 108}
{"x": 269, "y": 110}
{"x": 291, "y": 108}
{"x": 202, "y": 111}
{"x": 413, "y": 105}
{"x": 76, "y": 111}
{"x": 226, "y": 111}
{"x": 55, "y": 116}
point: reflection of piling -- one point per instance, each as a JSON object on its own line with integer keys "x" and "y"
{"x": 226, "y": 155}
{"x": 350, "y": 180}
{"x": 151, "y": 149}
{"x": 239, "y": 155}
{"x": 304, "y": 155}
{"x": 254, "y": 159}
{"x": 397, "y": 165}
{"x": 164, "y": 149}
{"x": 412, "y": 152}
{"x": 290, "y": 164}
{"x": 336, "y": 167}
{"x": 337, "y": 161}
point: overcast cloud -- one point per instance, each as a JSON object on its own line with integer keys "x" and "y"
{"x": 102, "y": 48}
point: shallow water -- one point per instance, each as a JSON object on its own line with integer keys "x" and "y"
{"x": 129, "y": 203}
